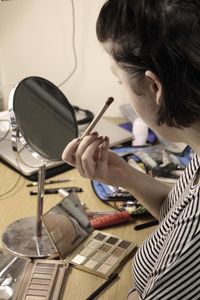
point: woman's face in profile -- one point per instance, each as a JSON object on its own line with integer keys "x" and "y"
{"x": 139, "y": 98}
{"x": 142, "y": 98}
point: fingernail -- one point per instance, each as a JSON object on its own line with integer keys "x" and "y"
{"x": 105, "y": 142}
{"x": 94, "y": 133}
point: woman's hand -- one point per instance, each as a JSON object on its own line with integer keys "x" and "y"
{"x": 93, "y": 159}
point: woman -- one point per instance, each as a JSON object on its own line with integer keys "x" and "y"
{"x": 154, "y": 47}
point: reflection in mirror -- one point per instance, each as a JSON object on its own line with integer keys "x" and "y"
{"x": 43, "y": 120}
{"x": 67, "y": 224}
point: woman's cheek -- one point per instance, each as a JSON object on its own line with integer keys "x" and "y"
{"x": 142, "y": 106}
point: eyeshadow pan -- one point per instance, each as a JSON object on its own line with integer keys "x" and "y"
{"x": 37, "y": 292}
{"x": 38, "y": 286}
{"x": 93, "y": 244}
{"x": 124, "y": 244}
{"x": 105, "y": 248}
{"x": 100, "y": 237}
{"x": 91, "y": 263}
{"x": 78, "y": 259}
{"x": 87, "y": 251}
{"x": 40, "y": 280}
{"x": 28, "y": 297}
{"x": 112, "y": 240}
{"x": 47, "y": 265}
{"x": 118, "y": 252}
{"x": 43, "y": 270}
{"x": 38, "y": 275}
{"x": 111, "y": 260}
{"x": 104, "y": 268}
{"x": 98, "y": 256}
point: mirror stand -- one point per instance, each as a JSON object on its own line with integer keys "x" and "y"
{"x": 44, "y": 122}
{"x": 28, "y": 236}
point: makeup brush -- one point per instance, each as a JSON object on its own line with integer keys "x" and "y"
{"x": 98, "y": 117}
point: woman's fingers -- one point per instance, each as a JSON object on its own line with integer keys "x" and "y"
{"x": 73, "y": 152}
{"x": 70, "y": 150}
{"x": 104, "y": 150}
{"x": 68, "y": 154}
{"x": 100, "y": 163}
{"x": 90, "y": 157}
{"x": 86, "y": 154}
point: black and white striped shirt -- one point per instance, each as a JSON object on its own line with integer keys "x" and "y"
{"x": 167, "y": 265}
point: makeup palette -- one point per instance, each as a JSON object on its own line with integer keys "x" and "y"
{"x": 22, "y": 279}
{"x": 90, "y": 250}
{"x": 77, "y": 243}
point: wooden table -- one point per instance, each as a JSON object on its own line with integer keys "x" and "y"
{"x": 18, "y": 203}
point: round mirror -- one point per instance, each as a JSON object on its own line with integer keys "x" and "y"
{"x": 44, "y": 117}
{"x": 44, "y": 121}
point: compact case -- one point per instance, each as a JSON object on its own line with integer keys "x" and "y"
{"x": 23, "y": 279}
{"x": 78, "y": 244}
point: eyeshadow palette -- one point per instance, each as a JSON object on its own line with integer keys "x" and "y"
{"x": 22, "y": 279}
{"x": 101, "y": 254}
{"x": 77, "y": 243}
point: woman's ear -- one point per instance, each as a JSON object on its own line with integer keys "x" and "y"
{"x": 155, "y": 86}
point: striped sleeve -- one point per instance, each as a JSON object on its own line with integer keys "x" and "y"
{"x": 180, "y": 279}
{"x": 180, "y": 186}
{"x": 167, "y": 265}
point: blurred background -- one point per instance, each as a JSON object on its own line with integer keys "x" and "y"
{"x": 57, "y": 40}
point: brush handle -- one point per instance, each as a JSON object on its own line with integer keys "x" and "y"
{"x": 98, "y": 117}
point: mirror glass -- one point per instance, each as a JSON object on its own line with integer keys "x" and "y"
{"x": 67, "y": 224}
{"x": 44, "y": 117}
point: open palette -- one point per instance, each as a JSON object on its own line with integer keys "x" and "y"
{"x": 77, "y": 243}
{"x": 22, "y": 279}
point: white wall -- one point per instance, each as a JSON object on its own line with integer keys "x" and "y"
{"x": 36, "y": 39}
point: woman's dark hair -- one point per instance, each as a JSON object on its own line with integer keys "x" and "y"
{"x": 162, "y": 36}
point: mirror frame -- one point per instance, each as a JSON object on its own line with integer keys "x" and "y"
{"x": 17, "y": 135}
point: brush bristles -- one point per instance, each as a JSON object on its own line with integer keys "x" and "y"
{"x": 109, "y": 101}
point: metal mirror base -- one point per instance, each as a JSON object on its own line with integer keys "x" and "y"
{"x": 20, "y": 238}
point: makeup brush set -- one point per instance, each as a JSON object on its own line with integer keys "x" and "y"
{"x": 118, "y": 199}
